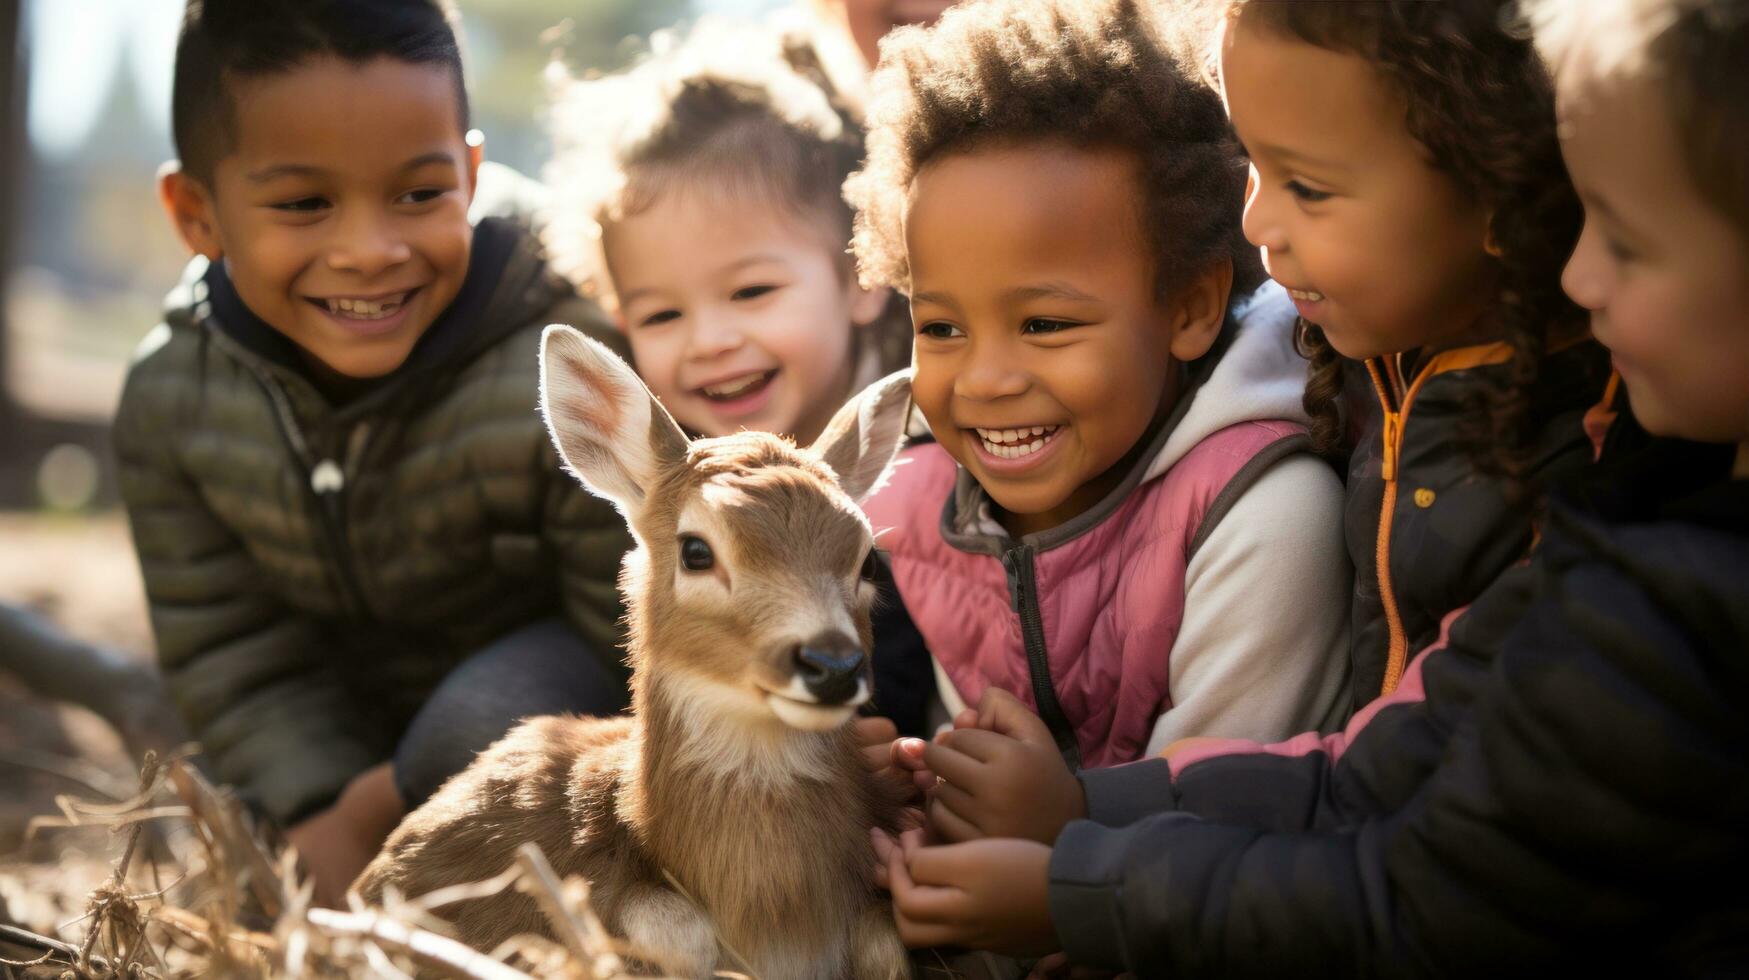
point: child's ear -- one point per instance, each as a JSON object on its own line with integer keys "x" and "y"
{"x": 190, "y": 207}
{"x": 476, "y": 142}
{"x": 866, "y": 305}
{"x": 1199, "y": 309}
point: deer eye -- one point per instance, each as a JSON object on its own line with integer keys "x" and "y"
{"x": 869, "y": 567}
{"x": 695, "y": 554}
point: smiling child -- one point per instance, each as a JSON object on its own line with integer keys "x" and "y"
{"x": 705, "y": 184}
{"x": 362, "y": 557}
{"x": 1121, "y": 524}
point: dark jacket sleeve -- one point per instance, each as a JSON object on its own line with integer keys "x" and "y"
{"x": 247, "y": 674}
{"x": 1589, "y": 808}
{"x": 1324, "y": 784}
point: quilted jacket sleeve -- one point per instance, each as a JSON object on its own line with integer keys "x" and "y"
{"x": 1588, "y": 809}
{"x": 245, "y": 672}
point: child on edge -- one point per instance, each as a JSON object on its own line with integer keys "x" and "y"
{"x": 1588, "y": 705}
{"x": 1121, "y": 523}
{"x": 362, "y": 558}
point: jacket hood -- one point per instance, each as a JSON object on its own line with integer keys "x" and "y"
{"x": 1253, "y": 375}
{"x": 1260, "y": 377}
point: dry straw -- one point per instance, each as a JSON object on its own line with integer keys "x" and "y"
{"x": 198, "y": 893}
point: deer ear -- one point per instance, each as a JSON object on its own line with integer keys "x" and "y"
{"x": 860, "y": 441}
{"x": 610, "y": 431}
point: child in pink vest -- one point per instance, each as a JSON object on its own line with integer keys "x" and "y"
{"x": 1119, "y": 521}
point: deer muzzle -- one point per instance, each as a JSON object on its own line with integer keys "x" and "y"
{"x": 831, "y": 668}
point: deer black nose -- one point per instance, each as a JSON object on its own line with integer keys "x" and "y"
{"x": 830, "y": 668}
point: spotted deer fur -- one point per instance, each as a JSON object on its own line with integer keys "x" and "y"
{"x": 731, "y": 774}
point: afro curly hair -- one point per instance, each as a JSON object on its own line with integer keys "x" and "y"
{"x": 1099, "y": 74}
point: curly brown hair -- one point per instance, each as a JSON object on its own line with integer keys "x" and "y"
{"x": 1100, "y": 75}
{"x": 743, "y": 109}
{"x": 1482, "y": 105}
{"x": 747, "y": 109}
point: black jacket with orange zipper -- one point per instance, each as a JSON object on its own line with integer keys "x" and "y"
{"x": 1427, "y": 531}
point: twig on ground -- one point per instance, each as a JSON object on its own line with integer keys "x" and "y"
{"x": 113, "y": 895}
{"x": 76, "y": 771}
{"x": 222, "y": 828}
{"x": 582, "y": 934}
{"x": 427, "y": 949}
{"x": 50, "y": 946}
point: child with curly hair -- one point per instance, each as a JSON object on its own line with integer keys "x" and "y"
{"x": 1408, "y": 191}
{"x": 1583, "y": 811}
{"x": 699, "y": 194}
{"x": 1121, "y": 522}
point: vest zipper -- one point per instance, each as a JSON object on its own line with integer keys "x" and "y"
{"x": 1023, "y": 597}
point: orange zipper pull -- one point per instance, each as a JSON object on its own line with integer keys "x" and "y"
{"x": 1393, "y": 442}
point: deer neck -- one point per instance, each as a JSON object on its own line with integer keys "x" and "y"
{"x": 758, "y": 821}
{"x": 694, "y": 735}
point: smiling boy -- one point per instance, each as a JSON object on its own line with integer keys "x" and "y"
{"x": 362, "y": 558}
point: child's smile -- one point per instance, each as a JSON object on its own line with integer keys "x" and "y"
{"x": 1024, "y": 445}
{"x": 368, "y": 315}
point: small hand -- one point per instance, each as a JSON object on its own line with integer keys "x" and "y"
{"x": 910, "y": 819}
{"x": 335, "y": 844}
{"x": 987, "y": 894}
{"x": 875, "y": 739}
{"x": 1003, "y": 778}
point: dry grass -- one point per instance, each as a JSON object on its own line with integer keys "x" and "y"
{"x": 197, "y": 892}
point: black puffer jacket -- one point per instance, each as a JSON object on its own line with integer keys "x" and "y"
{"x": 1572, "y": 791}
{"x": 314, "y": 569}
{"x": 1427, "y": 532}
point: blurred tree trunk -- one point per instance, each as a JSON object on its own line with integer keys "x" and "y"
{"x": 11, "y": 164}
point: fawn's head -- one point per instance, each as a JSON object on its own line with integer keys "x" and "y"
{"x": 750, "y": 585}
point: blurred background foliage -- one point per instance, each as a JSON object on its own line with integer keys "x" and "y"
{"x": 85, "y": 254}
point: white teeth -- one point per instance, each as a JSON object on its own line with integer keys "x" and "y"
{"x": 730, "y": 389}
{"x": 366, "y": 309}
{"x": 1306, "y": 295}
{"x": 1009, "y": 444}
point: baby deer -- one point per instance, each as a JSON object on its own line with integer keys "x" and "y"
{"x": 748, "y": 599}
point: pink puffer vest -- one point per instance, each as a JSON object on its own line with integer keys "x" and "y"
{"x": 1082, "y": 618}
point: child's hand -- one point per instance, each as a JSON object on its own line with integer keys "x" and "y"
{"x": 1003, "y": 778}
{"x": 896, "y": 762}
{"x": 910, "y": 820}
{"x": 987, "y": 894}
{"x": 335, "y": 844}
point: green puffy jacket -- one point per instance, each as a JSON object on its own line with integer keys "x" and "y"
{"x": 315, "y": 570}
